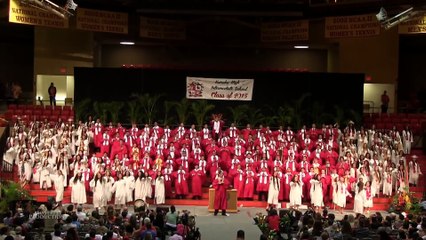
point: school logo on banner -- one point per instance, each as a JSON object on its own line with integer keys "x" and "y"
{"x": 219, "y": 88}
{"x": 195, "y": 89}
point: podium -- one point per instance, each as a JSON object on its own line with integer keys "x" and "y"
{"x": 231, "y": 199}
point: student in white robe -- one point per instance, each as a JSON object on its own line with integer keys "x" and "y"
{"x": 109, "y": 182}
{"x": 360, "y": 198}
{"x": 130, "y": 186}
{"x": 45, "y": 180}
{"x": 376, "y": 182}
{"x": 407, "y": 139}
{"x": 274, "y": 189}
{"x": 341, "y": 192}
{"x": 387, "y": 182}
{"x": 317, "y": 198}
{"x": 120, "y": 190}
{"x": 138, "y": 186}
{"x": 97, "y": 185}
{"x": 147, "y": 186}
{"x": 414, "y": 171}
{"x": 35, "y": 171}
{"x": 78, "y": 189}
{"x": 160, "y": 190}
{"x": 368, "y": 197}
{"x": 296, "y": 193}
{"x": 26, "y": 169}
{"x": 59, "y": 182}
{"x": 62, "y": 165}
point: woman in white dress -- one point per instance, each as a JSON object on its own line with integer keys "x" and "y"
{"x": 368, "y": 197}
{"x": 78, "y": 192}
{"x": 109, "y": 182}
{"x": 120, "y": 190}
{"x": 360, "y": 198}
{"x": 316, "y": 193}
{"x": 160, "y": 190}
{"x": 97, "y": 185}
{"x": 63, "y": 166}
{"x": 341, "y": 193}
{"x": 45, "y": 180}
{"x": 26, "y": 169}
{"x": 130, "y": 186}
{"x": 59, "y": 187}
{"x": 274, "y": 189}
{"x": 138, "y": 186}
{"x": 376, "y": 181}
{"x": 295, "y": 192}
{"x": 146, "y": 186}
{"x": 387, "y": 182}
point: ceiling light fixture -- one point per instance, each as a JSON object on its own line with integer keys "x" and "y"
{"x": 301, "y": 47}
{"x": 127, "y": 43}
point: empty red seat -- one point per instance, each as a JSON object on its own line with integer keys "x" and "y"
{"x": 56, "y": 112}
{"x": 388, "y": 126}
{"x": 67, "y": 107}
{"x": 28, "y": 112}
{"x": 22, "y": 106}
{"x": 47, "y": 111}
{"x": 53, "y": 118}
{"x": 37, "y": 111}
{"x": 19, "y": 112}
{"x": 12, "y": 106}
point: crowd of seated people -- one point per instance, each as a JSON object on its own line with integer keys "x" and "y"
{"x": 323, "y": 226}
{"x": 47, "y": 222}
{"x": 304, "y": 165}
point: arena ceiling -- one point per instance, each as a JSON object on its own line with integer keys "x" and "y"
{"x": 272, "y": 8}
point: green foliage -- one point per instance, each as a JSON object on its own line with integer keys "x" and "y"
{"x": 200, "y": 108}
{"x": 339, "y": 114}
{"x": 168, "y": 105}
{"x": 255, "y": 117}
{"x": 133, "y": 111}
{"x": 81, "y": 109}
{"x": 114, "y": 110}
{"x": 101, "y": 111}
{"x": 10, "y": 193}
{"x": 148, "y": 104}
{"x": 285, "y": 115}
{"x": 182, "y": 110}
{"x": 239, "y": 113}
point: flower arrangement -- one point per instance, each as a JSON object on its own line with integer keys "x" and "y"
{"x": 405, "y": 201}
{"x": 260, "y": 221}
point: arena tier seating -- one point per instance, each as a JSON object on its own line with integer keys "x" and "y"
{"x": 380, "y": 203}
{"x": 399, "y": 120}
{"x": 39, "y": 113}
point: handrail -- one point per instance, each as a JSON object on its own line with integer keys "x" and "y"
{"x": 5, "y": 166}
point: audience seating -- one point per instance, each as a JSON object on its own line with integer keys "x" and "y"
{"x": 399, "y": 120}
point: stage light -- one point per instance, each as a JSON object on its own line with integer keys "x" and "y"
{"x": 301, "y": 47}
{"x": 388, "y": 23}
{"x": 127, "y": 43}
{"x": 49, "y": 6}
{"x": 382, "y": 15}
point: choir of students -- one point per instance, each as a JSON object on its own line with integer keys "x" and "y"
{"x": 323, "y": 166}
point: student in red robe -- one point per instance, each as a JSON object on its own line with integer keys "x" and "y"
{"x": 286, "y": 186}
{"x": 249, "y": 184}
{"x": 168, "y": 175}
{"x": 181, "y": 183}
{"x": 220, "y": 184}
{"x": 239, "y": 177}
{"x": 196, "y": 182}
{"x": 262, "y": 184}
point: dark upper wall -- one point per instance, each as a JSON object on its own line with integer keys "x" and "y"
{"x": 17, "y": 56}
{"x": 217, "y": 57}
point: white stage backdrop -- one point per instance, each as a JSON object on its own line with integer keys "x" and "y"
{"x": 219, "y": 88}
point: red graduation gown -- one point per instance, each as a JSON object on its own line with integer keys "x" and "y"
{"x": 220, "y": 194}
